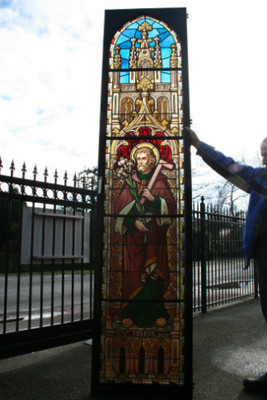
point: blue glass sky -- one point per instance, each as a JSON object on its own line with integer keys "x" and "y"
{"x": 124, "y": 41}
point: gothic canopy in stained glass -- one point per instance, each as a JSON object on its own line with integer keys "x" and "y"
{"x": 145, "y": 43}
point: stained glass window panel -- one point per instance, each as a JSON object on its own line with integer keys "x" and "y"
{"x": 143, "y": 259}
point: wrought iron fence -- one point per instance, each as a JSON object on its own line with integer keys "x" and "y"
{"x": 219, "y": 273}
{"x": 46, "y": 253}
{"x": 46, "y": 275}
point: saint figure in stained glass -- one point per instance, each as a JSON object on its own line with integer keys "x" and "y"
{"x": 145, "y": 194}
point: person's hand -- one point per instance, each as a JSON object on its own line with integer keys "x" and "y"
{"x": 195, "y": 141}
{"x": 148, "y": 195}
{"x": 140, "y": 226}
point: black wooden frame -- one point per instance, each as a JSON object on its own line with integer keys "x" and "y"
{"x": 115, "y": 19}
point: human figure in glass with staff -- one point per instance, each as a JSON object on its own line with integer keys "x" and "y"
{"x": 144, "y": 210}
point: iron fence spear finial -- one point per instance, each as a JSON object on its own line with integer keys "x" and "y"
{"x": 23, "y": 170}
{"x": 12, "y": 168}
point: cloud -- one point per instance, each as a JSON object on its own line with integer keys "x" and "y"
{"x": 51, "y": 83}
{"x": 51, "y": 62}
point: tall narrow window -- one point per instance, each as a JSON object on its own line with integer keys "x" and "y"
{"x": 122, "y": 360}
{"x": 126, "y": 109}
{"x": 163, "y": 108}
{"x": 141, "y": 361}
{"x": 142, "y": 162}
{"x": 161, "y": 361}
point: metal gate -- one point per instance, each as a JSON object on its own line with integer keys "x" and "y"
{"x": 46, "y": 268}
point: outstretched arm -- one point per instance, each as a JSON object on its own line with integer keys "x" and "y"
{"x": 239, "y": 175}
{"x": 195, "y": 141}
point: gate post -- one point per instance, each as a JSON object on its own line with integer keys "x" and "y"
{"x": 203, "y": 257}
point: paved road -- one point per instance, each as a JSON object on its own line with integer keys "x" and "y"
{"x": 68, "y": 298}
{"x": 218, "y": 275}
{"x": 46, "y": 287}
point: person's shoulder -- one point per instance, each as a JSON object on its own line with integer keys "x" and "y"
{"x": 261, "y": 173}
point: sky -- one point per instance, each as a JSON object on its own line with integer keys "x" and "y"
{"x": 50, "y": 78}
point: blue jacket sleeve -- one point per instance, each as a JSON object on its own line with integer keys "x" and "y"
{"x": 240, "y": 175}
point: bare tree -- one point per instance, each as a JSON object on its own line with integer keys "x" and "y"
{"x": 217, "y": 190}
{"x": 231, "y": 196}
{"x": 88, "y": 178}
